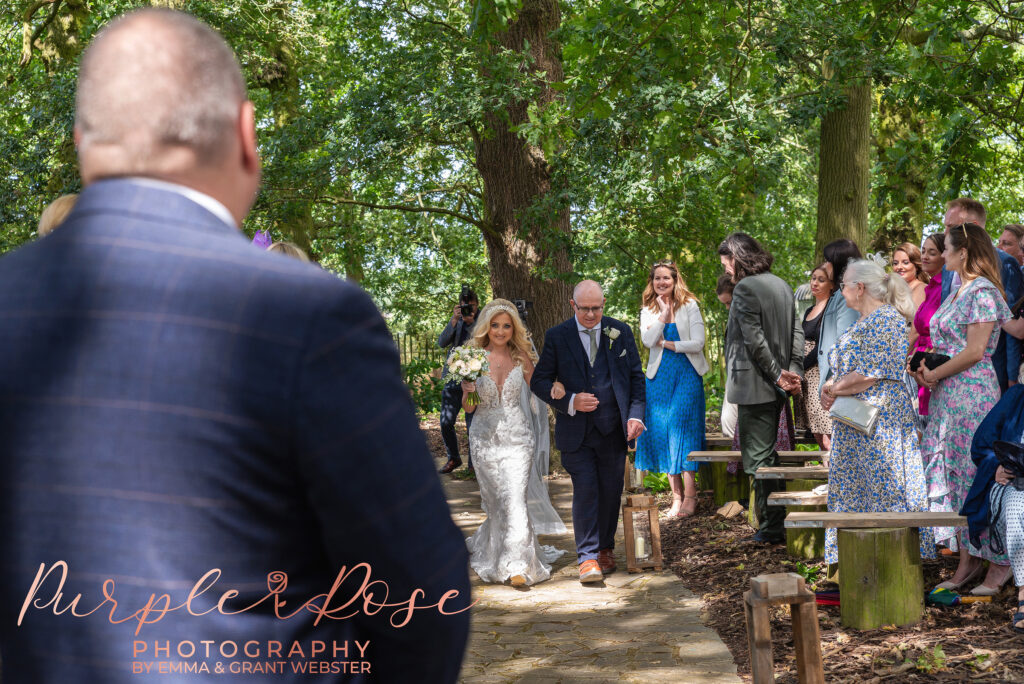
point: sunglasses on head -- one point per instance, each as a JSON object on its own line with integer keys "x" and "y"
{"x": 970, "y": 224}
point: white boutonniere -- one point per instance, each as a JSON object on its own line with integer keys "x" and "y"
{"x": 612, "y": 333}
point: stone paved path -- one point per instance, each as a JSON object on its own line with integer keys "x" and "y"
{"x": 632, "y": 628}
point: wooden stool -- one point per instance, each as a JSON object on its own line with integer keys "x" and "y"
{"x": 808, "y": 542}
{"x": 784, "y": 588}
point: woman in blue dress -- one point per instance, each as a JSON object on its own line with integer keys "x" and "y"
{"x": 672, "y": 328}
{"x": 882, "y": 472}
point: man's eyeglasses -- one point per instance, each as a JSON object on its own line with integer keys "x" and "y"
{"x": 588, "y": 309}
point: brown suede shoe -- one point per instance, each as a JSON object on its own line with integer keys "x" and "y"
{"x": 590, "y": 571}
{"x": 450, "y": 466}
{"x": 606, "y": 559}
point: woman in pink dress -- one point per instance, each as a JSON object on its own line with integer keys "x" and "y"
{"x": 932, "y": 262}
{"x": 906, "y": 263}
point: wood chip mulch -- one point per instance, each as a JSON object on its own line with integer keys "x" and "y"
{"x": 715, "y": 559}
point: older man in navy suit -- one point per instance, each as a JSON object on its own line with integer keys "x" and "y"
{"x": 193, "y": 432}
{"x": 599, "y": 367}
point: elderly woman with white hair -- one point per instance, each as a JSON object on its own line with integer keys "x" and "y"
{"x": 880, "y": 472}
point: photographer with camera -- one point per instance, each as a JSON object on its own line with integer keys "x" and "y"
{"x": 454, "y": 335}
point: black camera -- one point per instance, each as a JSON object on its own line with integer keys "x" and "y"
{"x": 466, "y": 298}
{"x": 523, "y": 306}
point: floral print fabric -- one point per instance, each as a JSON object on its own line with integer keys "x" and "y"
{"x": 881, "y": 473}
{"x": 959, "y": 404}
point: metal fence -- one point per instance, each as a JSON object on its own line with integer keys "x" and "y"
{"x": 418, "y": 346}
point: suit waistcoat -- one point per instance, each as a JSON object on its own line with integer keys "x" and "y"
{"x": 606, "y": 417}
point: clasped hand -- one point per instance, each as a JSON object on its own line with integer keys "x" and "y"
{"x": 1003, "y": 476}
{"x": 827, "y": 398}
{"x": 583, "y": 402}
{"x": 789, "y": 381}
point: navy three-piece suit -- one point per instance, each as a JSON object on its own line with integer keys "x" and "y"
{"x": 593, "y": 444}
{"x": 174, "y": 400}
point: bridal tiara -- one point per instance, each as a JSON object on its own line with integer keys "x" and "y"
{"x": 504, "y": 307}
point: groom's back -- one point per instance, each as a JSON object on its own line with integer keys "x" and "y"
{"x": 173, "y": 401}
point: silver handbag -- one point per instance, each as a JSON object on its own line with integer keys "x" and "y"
{"x": 855, "y": 413}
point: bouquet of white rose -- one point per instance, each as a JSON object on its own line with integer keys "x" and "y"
{"x": 467, "y": 364}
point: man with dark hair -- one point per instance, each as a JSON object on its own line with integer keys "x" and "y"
{"x": 1007, "y": 357}
{"x": 454, "y": 335}
{"x": 193, "y": 432}
{"x": 764, "y": 348}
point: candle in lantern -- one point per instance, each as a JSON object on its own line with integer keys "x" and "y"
{"x": 640, "y": 552}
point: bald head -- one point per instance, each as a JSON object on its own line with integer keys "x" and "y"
{"x": 588, "y": 302}
{"x": 588, "y": 287}
{"x": 158, "y": 90}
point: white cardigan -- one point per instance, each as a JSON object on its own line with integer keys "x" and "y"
{"x": 690, "y": 326}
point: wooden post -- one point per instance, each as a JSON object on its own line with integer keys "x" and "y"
{"x": 775, "y": 590}
{"x": 752, "y": 518}
{"x": 880, "y": 578}
{"x": 807, "y": 643}
{"x": 759, "y": 642}
{"x": 728, "y": 486}
{"x": 804, "y": 542}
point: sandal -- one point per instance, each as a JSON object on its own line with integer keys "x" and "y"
{"x": 955, "y": 586}
{"x": 684, "y": 514}
{"x": 985, "y": 590}
{"x": 1018, "y": 617}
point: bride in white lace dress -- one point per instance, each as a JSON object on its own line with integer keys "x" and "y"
{"x": 510, "y": 444}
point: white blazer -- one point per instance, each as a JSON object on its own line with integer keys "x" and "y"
{"x": 691, "y": 337}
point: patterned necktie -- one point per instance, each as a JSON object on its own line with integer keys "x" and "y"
{"x": 592, "y": 333}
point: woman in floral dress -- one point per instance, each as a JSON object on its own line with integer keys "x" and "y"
{"x": 883, "y": 472}
{"x": 964, "y": 389}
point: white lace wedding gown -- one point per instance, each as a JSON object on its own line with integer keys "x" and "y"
{"x": 504, "y": 443}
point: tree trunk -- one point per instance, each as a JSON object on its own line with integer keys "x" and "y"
{"x": 844, "y": 160}
{"x": 880, "y": 580}
{"x": 516, "y": 175}
{"x": 281, "y": 78}
{"x": 901, "y": 190}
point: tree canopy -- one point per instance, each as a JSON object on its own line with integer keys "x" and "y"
{"x": 518, "y": 145}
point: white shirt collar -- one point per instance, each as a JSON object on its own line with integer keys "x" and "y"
{"x": 212, "y": 205}
{"x": 583, "y": 328}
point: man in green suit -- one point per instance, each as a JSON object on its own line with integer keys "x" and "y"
{"x": 763, "y": 338}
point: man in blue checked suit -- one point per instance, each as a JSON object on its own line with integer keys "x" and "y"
{"x": 596, "y": 361}
{"x": 176, "y": 402}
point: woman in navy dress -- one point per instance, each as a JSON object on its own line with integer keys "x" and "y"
{"x": 672, "y": 328}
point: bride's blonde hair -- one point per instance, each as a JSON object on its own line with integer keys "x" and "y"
{"x": 520, "y": 347}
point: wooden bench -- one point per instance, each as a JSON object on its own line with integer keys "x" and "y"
{"x": 797, "y": 499}
{"x": 715, "y": 476}
{"x": 717, "y": 440}
{"x": 792, "y": 473}
{"x": 875, "y": 520}
{"x": 880, "y": 577}
{"x": 802, "y": 543}
{"x": 735, "y": 456}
